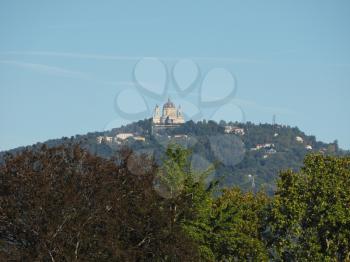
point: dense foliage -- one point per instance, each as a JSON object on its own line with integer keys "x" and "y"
{"x": 64, "y": 204}
{"x": 206, "y": 139}
{"x": 309, "y": 218}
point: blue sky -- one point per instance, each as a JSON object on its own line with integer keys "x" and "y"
{"x": 67, "y": 67}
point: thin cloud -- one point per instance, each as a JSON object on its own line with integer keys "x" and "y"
{"x": 173, "y": 59}
{"x": 47, "y": 69}
{"x": 71, "y": 55}
{"x": 130, "y": 58}
{"x": 231, "y": 60}
{"x": 120, "y": 83}
{"x": 62, "y": 72}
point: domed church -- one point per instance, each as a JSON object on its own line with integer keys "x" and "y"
{"x": 170, "y": 115}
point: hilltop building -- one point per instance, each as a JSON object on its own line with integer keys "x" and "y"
{"x": 123, "y": 136}
{"x": 170, "y": 115}
{"x": 299, "y": 139}
{"x": 234, "y": 130}
{"x": 119, "y": 138}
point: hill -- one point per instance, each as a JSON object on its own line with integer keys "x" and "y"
{"x": 244, "y": 154}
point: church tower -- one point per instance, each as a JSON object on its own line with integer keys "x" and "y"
{"x": 156, "y": 115}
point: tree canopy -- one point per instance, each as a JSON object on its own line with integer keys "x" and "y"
{"x": 309, "y": 217}
{"x": 64, "y": 204}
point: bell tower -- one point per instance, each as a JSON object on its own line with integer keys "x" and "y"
{"x": 156, "y": 115}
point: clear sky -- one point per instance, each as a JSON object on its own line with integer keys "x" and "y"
{"x": 63, "y": 63}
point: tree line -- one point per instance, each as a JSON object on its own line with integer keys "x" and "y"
{"x": 65, "y": 204}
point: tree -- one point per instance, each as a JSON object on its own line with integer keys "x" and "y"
{"x": 236, "y": 224}
{"x": 187, "y": 196}
{"x": 63, "y": 204}
{"x": 225, "y": 228}
{"x": 309, "y": 217}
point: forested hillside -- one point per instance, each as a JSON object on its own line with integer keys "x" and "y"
{"x": 258, "y": 154}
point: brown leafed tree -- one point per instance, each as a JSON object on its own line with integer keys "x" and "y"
{"x": 64, "y": 204}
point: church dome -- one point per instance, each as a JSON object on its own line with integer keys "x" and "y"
{"x": 170, "y": 116}
{"x": 169, "y": 104}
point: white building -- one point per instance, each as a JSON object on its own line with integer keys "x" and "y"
{"x": 140, "y": 138}
{"x": 234, "y": 130}
{"x": 260, "y": 146}
{"x": 108, "y": 139}
{"x": 99, "y": 139}
{"x": 299, "y": 139}
{"x": 170, "y": 115}
{"x": 123, "y": 136}
{"x": 180, "y": 136}
{"x": 118, "y": 138}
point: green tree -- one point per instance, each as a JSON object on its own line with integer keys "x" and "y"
{"x": 309, "y": 218}
{"x": 187, "y": 196}
{"x": 235, "y": 222}
{"x": 224, "y": 229}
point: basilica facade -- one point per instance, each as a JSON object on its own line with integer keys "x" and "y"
{"x": 170, "y": 115}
